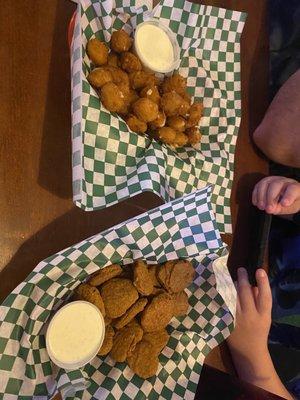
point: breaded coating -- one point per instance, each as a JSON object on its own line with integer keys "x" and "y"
{"x": 141, "y": 278}
{"x": 113, "y": 60}
{"x": 130, "y": 97}
{"x": 177, "y": 123}
{"x": 91, "y": 294}
{"x": 166, "y": 135}
{"x": 131, "y": 313}
{"x": 152, "y": 270}
{"x": 157, "y": 290}
{"x": 107, "y": 342}
{"x": 194, "y": 135}
{"x": 158, "y": 313}
{"x": 97, "y": 51}
{"x": 187, "y": 97}
{"x": 151, "y": 92}
{"x": 181, "y": 139}
{"x": 99, "y": 77}
{"x": 143, "y": 361}
{"x": 118, "y": 295}
{"x": 175, "y": 83}
{"x": 140, "y": 79}
{"x": 195, "y": 114}
{"x": 127, "y": 271}
{"x": 130, "y": 62}
{"x": 157, "y": 339}
{"x": 159, "y": 122}
{"x": 105, "y": 274}
{"x": 120, "y": 41}
{"x": 107, "y": 320}
{"x": 135, "y": 124}
{"x": 176, "y": 275}
{"x": 119, "y": 77}
{"x": 181, "y": 303}
{"x": 125, "y": 341}
{"x": 145, "y": 110}
{"x": 173, "y": 104}
{"x": 112, "y": 97}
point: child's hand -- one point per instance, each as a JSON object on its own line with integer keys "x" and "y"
{"x": 277, "y": 195}
{"x": 249, "y": 341}
{"x": 253, "y": 315}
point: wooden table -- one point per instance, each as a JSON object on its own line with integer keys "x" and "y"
{"x": 37, "y": 216}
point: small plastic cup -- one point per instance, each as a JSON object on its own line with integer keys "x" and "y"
{"x": 156, "y": 47}
{"x": 75, "y": 335}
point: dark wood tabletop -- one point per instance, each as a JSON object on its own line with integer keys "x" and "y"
{"x": 37, "y": 216}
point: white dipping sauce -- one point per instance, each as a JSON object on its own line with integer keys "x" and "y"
{"x": 75, "y": 334}
{"x": 155, "y": 47}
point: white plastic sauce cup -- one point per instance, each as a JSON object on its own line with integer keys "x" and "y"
{"x": 75, "y": 335}
{"x": 157, "y": 47}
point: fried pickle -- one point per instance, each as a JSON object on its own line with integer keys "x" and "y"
{"x": 141, "y": 278}
{"x": 152, "y": 270}
{"x": 125, "y": 341}
{"x": 118, "y": 295}
{"x": 131, "y": 313}
{"x": 105, "y": 274}
{"x": 181, "y": 303}
{"x": 107, "y": 342}
{"x": 158, "y": 313}
{"x": 92, "y": 295}
{"x": 157, "y": 339}
{"x": 175, "y": 276}
{"x": 143, "y": 361}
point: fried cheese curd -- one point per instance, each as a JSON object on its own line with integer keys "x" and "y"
{"x": 161, "y": 108}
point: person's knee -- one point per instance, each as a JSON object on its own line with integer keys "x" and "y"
{"x": 277, "y": 147}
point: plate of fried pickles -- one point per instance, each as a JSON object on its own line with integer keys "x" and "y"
{"x": 137, "y": 302}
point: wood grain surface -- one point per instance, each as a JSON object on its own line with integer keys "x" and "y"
{"x": 37, "y": 216}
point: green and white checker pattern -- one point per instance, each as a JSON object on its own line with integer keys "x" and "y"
{"x": 112, "y": 163}
{"x": 184, "y": 228}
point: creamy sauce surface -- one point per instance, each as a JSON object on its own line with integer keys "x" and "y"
{"x": 155, "y": 46}
{"x": 75, "y": 332}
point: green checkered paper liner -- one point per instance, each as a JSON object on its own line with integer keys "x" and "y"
{"x": 184, "y": 228}
{"x": 112, "y": 163}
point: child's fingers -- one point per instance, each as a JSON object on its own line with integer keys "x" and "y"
{"x": 244, "y": 290}
{"x": 254, "y": 196}
{"x": 238, "y": 304}
{"x": 264, "y": 297}
{"x": 273, "y": 192}
{"x": 290, "y": 195}
{"x": 262, "y": 188}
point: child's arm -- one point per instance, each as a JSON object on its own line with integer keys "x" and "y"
{"x": 249, "y": 341}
